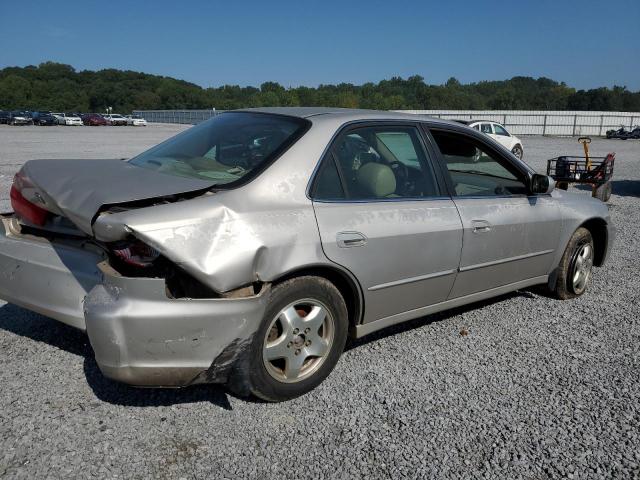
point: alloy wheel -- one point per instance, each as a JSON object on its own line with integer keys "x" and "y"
{"x": 583, "y": 261}
{"x": 517, "y": 151}
{"x": 298, "y": 341}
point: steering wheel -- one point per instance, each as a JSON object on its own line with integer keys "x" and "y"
{"x": 401, "y": 172}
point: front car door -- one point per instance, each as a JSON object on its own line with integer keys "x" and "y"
{"x": 509, "y": 235}
{"x": 382, "y": 215}
{"x": 502, "y": 136}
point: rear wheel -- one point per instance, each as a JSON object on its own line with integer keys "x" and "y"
{"x": 574, "y": 271}
{"x": 603, "y": 192}
{"x": 300, "y": 339}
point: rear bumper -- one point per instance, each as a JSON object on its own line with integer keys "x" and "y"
{"x": 142, "y": 337}
{"x": 138, "y": 334}
{"x": 51, "y": 279}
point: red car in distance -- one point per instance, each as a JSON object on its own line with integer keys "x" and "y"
{"x": 93, "y": 119}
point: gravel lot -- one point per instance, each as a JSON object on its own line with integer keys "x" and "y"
{"x": 537, "y": 388}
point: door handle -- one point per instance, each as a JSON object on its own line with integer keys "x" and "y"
{"x": 480, "y": 226}
{"x": 350, "y": 239}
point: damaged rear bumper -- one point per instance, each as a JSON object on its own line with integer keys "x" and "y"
{"x": 139, "y": 335}
{"x": 142, "y": 337}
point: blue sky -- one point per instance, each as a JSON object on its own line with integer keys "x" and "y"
{"x": 584, "y": 43}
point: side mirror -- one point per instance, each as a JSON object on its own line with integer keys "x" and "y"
{"x": 541, "y": 184}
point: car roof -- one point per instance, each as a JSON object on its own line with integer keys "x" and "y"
{"x": 469, "y": 122}
{"x": 344, "y": 114}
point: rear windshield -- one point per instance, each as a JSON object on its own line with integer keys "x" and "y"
{"x": 225, "y": 148}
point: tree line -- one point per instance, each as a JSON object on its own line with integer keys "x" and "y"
{"x": 58, "y": 87}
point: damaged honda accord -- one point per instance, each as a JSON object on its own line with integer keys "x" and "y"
{"x": 249, "y": 248}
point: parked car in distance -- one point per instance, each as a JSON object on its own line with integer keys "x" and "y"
{"x": 136, "y": 121}
{"x": 43, "y": 118}
{"x": 497, "y": 131}
{"x": 246, "y": 249}
{"x": 4, "y": 117}
{"x": 59, "y": 117}
{"x": 115, "y": 119}
{"x": 19, "y": 117}
{"x": 93, "y": 119}
{"x": 71, "y": 119}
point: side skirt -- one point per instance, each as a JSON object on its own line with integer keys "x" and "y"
{"x": 365, "y": 329}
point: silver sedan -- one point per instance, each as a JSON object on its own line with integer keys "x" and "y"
{"x": 247, "y": 249}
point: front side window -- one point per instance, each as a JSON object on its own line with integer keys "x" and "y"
{"x": 475, "y": 169}
{"x": 500, "y": 130}
{"x": 226, "y": 148}
{"x": 373, "y": 163}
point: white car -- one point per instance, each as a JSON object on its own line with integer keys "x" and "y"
{"x": 68, "y": 119}
{"x": 136, "y": 121}
{"x": 499, "y": 134}
{"x": 115, "y": 119}
{"x": 59, "y": 117}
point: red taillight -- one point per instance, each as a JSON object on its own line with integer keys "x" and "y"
{"x": 137, "y": 254}
{"x": 25, "y": 209}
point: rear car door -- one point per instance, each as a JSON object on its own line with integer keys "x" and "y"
{"x": 382, "y": 215}
{"x": 509, "y": 235}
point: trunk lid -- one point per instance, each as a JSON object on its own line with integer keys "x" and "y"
{"x": 80, "y": 189}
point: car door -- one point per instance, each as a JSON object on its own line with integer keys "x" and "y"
{"x": 487, "y": 129}
{"x": 382, "y": 214}
{"x": 509, "y": 235}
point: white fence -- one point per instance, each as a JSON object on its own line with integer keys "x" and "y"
{"x": 189, "y": 117}
{"x": 518, "y": 122}
{"x": 540, "y": 122}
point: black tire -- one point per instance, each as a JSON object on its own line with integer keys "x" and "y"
{"x": 603, "y": 192}
{"x": 262, "y": 383}
{"x": 518, "y": 151}
{"x": 562, "y": 185}
{"x": 565, "y": 287}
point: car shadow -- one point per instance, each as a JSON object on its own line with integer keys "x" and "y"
{"x": 42, "y": 329}
{"x": 436, "y": 317}
{"x": 623, "y": 188}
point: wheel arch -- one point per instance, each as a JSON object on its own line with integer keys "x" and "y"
{"x": 598, "y": 229}
{"x": 342, "y": 279}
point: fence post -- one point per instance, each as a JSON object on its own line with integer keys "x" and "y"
{"x": 544, "y": 126}
{"x": 601, "y": 122}
{"x": 575, "y": 118}
{"x": 504, "y": 119}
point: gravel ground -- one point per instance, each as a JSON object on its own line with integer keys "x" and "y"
{"x": 523, "y": 386}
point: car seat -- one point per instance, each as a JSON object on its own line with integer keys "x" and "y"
{"x": 376, "y": 180}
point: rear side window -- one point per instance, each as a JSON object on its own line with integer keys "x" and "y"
{"x": 475, "y": 169}
{"x": 372, "y": 163}
{"x": 486, "y": 128}
{"x": 225, "y": 149}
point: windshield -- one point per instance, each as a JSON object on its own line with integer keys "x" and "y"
{"x": 225, "y": 148}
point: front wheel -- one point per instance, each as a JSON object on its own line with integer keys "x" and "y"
{"x": 300, "y": 340}
{"x": 574, "y": 271}
{"x": 518, "y": 151}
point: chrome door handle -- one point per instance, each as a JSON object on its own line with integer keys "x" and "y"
{"x": 350, "y": 239}
{"x": 480, "y": 226}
